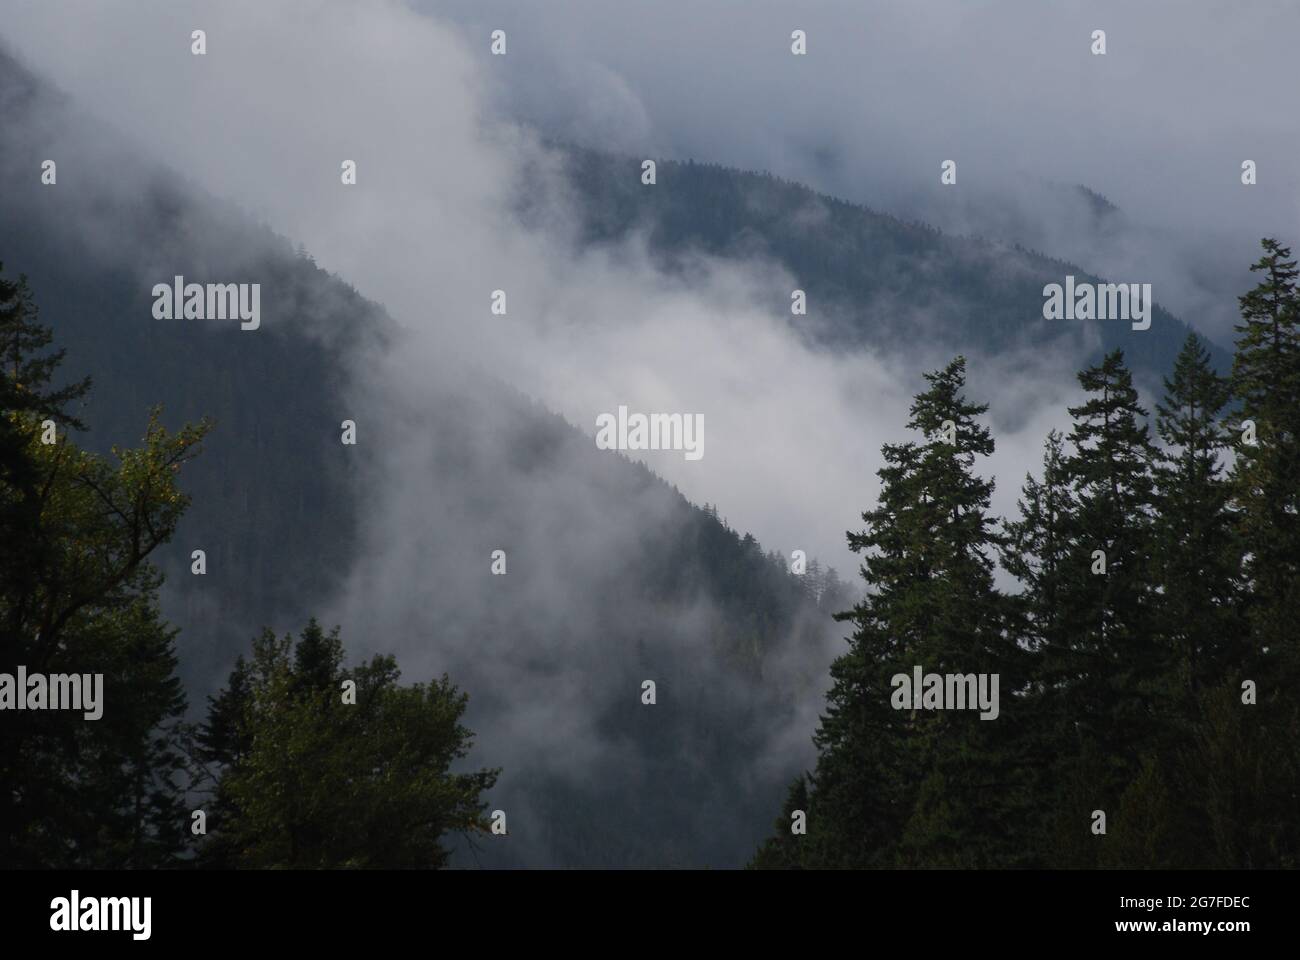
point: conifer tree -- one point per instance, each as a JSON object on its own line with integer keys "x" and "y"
{"x": 1197, "y": 560}
{"x": 1037, "y": 545}
{"x": 970, "y": 804}
{"x": 1266, "y": 474}
{"x": 883, "y": 775}
{"x": 1037, "y": 550}
{"x": 1102, "y": 679}
{"x": 26, "y": 399}
{"x": 1265, "y": 484}
{"x": 28, "y": 364}
{"x": 1196, "y": 564}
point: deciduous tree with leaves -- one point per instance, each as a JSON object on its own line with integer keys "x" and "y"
{"x": 313, "y": 772}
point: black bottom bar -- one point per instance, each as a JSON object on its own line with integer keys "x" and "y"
{"x": 930, "y": 909}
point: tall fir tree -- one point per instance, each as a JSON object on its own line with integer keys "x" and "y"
{"x": 971, "y": 802}
{"x": 1265, "y": 483}
{"x": 1197, "y": 553}
{"x": 27, "y": 399}
{"x": 1197, "y": 565}
{"x": 887, "y": 781}
{"x": 1037, "y": 550}
{"x": 1266, "y": 473}
{"x": 1102, "y": 679}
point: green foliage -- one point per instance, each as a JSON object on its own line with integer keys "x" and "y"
{"x": 306, "y": 779}
{"x": 78, "y": 595}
